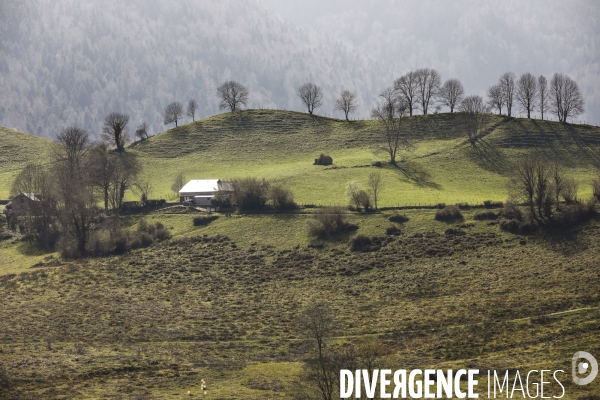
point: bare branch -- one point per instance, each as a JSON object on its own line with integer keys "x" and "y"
{"x": 527, "y": 92}
{"x": 311, "y": 95}
{"x": 173, "y": 113}
{"x": 451, "y": 94}
{"x": 232, "y": 95}
{"x": 507, "y": 85}
{"x": 115, "y": 130}
{"x": 346, "y": 103}
{"x": 191, "y": 109}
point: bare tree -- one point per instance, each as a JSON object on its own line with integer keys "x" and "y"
{"x": 76, "y": 204}
{"x": 191, "y": 109}
{"x": 565, "y": 99}
{"x": 532, "y": 183}
{"x": 474, "y": 110}
{"x": 73, "y": 143}
{"x": 311, "y": 95}
{"x": 357, "y": 197}
{"x": 542, "y": 94}
{"x": 144, "y": 188}
{"x": 526, "y": 93}
{"x": 115, "y": 130}
{"x": 407, "y": 88}
{"x": 495, "y": 98}
{"x": 173, "y": 113}
{"x": 375, "y": 184}
{"x": 558, "y": 181}
{"x": 391, "y": 113}
{"x": 346, "y": 103}
{"x": 233, "y": 95}
{"x": 178, "y": 183}
{"x": 124, "y": 177}
{"x": 451, "y": 94}
{"x": 428, "y": 81}
{"x": 142, "y": 131}
{"x": 507, "y": 84}
{"x": 317, "y": 323}
{"x": 101, "y": 166}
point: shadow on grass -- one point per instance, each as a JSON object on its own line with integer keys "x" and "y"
{"x": 415, "y": 173}
{"x": 488, "y": 157}
{"x": 570, "y": 240}
{"x": 335, "y": 240}
{"x": 591, "y": 153}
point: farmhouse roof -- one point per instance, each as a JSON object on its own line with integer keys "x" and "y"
{"x": 30, "y": 196}
{"x": 203, "y": 186}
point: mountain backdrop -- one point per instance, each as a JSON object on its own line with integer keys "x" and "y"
{"x": 72, "y": 62}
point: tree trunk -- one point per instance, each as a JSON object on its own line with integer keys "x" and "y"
{"x": 105, "y": 198}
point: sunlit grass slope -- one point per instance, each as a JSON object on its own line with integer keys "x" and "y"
{"x": 16, "y": 150}
{"x": 440, "y": 167}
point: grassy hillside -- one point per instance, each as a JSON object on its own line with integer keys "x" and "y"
{"x": 441, "y": 167}
{"x": 220, "y": 302}
{"x": 281, "y": 145}
{"x": 16, "y": 150}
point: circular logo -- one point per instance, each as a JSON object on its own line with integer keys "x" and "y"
{"x": 582, "y": 367}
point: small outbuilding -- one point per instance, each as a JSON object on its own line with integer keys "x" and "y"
{"x": 24, "y": 204}
{"x": 202, "y": 191}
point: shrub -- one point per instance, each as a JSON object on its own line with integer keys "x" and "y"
{"x": 121, "y": 244}
{"x": 222, "y": 199}
{"x": 577, "y": 213}
{"x": 323, "y": 159}
{"x": 448, "y": 213}
{"x": 357, "y": 197}
{"x": 596, "y": 188}
{"x": 397, "y": 217}
{"x": 464, "y": 206}
{"x": 569, "y": 191}
{"x": 515, "y": 226}
{"x": 328, "y": 221}
{"x": 281, "y": 197}
{"x": 203, "y": 220}
{"x": 392, "y": 230}
{"x": 511, "y": 211}
{"x": 483, "y": 215}
{"x": 161, "y": 232}
{"x": 111, "y": 239}
{"x": 360, "y": 242}
{"x": 249, "y": 193}
{"x": 454, "y": 232}
{"x": 492, "y": 204}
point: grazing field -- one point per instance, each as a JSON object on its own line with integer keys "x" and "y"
{"x": 220, "y": 302}
{"x": 441, "y": 166}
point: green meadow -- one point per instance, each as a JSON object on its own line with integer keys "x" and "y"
{"x": 221, "y": 302}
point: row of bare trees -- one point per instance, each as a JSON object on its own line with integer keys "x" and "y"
{"x": 232, "y": 95}
{"x": 312, "y": 97}
{"x": 421, "y": 89}
{"x": 562, "y": 97}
